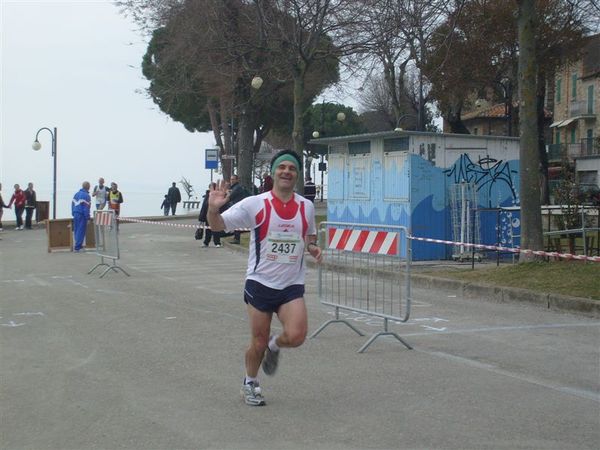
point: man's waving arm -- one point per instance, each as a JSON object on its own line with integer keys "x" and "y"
{"x": 216, "y": 200}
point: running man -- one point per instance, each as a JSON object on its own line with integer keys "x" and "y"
{"x": 283, "y": 226}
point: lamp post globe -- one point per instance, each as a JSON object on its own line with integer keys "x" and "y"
{"x": 341, "y": 116}
{"x": 316, "y": 134}
{"x": 256, "y": 82}
{"x": 37, "y": 146}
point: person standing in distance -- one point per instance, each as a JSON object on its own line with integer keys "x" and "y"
{"x": 236, "y": 194}
{"x": 2, "y": 206}
{"x": 80, "y": 209}
{"x": 30, "y": 204}
{"x": 100, "y": 193}
{"x": 19, "y": 199}
{"x": 283, "y": 227}
{"x": 174, "y": 197}
{"x": 115, "y": 198}
{"x": 310, "y": 190}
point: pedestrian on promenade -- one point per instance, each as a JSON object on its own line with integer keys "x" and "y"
{"x": 236, "y": 193}
{"x": 80, "y": 209}
{"x": 2, "y": 206}
{"x": 100, "y": 193}
{"x": 283, "y": 225}
{"x": 19, "y": 199}
{"x": 30, "y": 205}
{"x": 310, "y": 190}
{"x": 115, "y": 198}
{"x": 267, "y": 183}
{"x": 174, "y": 197}
{"x": 166, "y": 206}
{"x": 202, "y": 217}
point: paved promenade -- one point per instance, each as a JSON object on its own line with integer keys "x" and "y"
{"x": 155, "y": 361}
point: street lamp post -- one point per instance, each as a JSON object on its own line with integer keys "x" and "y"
{"x": 507, "y": 91}
{"x": 340, "y": 117}
{"x": 36, "y": 146}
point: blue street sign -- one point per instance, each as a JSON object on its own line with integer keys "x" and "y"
{"x": 211, "y": 158}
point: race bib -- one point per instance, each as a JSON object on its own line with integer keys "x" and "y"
{"x": 284, "y": 248}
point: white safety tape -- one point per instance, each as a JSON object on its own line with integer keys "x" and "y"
{"x": 169, "y": 224}
{"x": 511, "y": 250}
{"x": 436, "y": 241}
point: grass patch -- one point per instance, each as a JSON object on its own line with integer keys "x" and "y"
{"x": 574, "y": 278}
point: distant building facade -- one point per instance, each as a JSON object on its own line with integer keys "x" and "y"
{"x": 575, "y": 127}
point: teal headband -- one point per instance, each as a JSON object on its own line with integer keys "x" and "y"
{"x": 284, "y": 157}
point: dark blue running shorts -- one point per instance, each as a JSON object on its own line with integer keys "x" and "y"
{"x": 266, "y": 299}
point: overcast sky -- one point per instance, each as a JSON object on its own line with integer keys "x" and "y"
{"x": 75, "y": 65}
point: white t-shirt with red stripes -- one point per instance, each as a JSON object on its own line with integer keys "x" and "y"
{"x": 277, "y": 233}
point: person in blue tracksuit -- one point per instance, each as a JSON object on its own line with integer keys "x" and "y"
{"x": 80, "y": 208}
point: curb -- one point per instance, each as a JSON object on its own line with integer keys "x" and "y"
{"x": 505, "y": 294}
{"x": 496, "y": 294}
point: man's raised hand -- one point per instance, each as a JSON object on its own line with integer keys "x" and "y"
{"x": 218, "y": 195}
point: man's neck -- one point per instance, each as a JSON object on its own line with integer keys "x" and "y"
{"x": 284, "y": 196}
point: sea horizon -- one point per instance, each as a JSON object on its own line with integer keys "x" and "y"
{"x": 136, "y": 203}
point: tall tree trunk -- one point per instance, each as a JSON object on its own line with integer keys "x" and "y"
{"x": 214, "y": 123}
{"x": 531, "y": 216}
{"x": 541, "y": 95}
{"x": 297, "y": 132}
{"x": 228, "y": 147}
{"x": 245, "y": 154}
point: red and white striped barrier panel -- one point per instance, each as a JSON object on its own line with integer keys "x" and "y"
{"x": 169, "y": 224}
{"x": 364, "y": 241}
{"x": 104, "y": 218}
{"x": 511, "y": 250}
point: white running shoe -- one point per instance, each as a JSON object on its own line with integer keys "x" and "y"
{"x": 252, "y": 394}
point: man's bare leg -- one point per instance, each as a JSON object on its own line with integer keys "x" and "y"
{"x": 260, "y": 326}
{"x": 294, "y": 319}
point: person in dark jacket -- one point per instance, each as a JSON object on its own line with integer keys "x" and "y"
{"x": 208, "y": 233}
{"x": 166, "y": 206}
{"x": 174, "y": 197}
{"x": 310, "y": 190}
{"x": 80, "y": 208}
{"x": 19, "y": 199}
{"x": 236, "y": 193}
{"x": 30, "y": 204}
{"x": 2, "y": 206}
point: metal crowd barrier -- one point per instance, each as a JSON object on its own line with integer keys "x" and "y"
{"x": 365, "y": 269}
{"x": 106, "y": 229}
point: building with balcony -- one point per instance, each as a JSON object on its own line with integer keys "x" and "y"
{"x": 575, "y": 129}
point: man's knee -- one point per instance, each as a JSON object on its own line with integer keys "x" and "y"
{"x": 296, "y": 335}
{"x": 259, "y": 342}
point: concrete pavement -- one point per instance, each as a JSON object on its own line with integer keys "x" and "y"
{"x": 155, "y": 361}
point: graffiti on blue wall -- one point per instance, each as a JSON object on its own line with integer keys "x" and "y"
{"x": 487, "y": 174}
{"x": 410, "y": 190}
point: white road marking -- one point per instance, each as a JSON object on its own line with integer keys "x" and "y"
{"x": 577, "y": 392}
{"x": 516, "y": 328}
{"x": 12, "y": 323}
{"x": 433, "y": 329}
